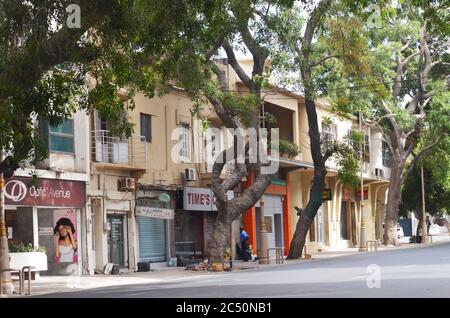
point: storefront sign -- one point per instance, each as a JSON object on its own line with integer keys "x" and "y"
{"x": 50, "y": 192}
{"x": 358, "y": 193}
{"x": 326, "y": 195}
{"x": 46, "y": 231}
{"x": 201, "y": 199}
{"x": 154, "y": 212}
{"x": 118, "y": 205}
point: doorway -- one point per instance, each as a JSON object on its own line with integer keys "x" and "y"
{"x": 278, "y": 230}
{"x": 117, "y": 240}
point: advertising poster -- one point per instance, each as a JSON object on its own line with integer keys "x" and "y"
{"x": 65, "y": 236}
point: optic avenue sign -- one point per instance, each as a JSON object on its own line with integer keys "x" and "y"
{"x": 47, "y": 192}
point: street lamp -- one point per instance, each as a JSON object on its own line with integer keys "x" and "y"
{"x": 362, "y": 233}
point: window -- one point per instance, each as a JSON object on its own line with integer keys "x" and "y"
{"x": 60, "y": 138}
{"x": 366, "y": 154}
{"x": 184, "y": 139}
{"x": 146, "y": 127}
{"x": 357, "y": 147}
{"x": 330, "y": 132}
{"x": 386, "y": 154}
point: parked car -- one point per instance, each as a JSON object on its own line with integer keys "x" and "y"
{"x": 400, "y": 233}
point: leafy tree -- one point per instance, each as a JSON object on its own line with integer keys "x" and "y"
{"x": 306, "y": 46}
{"x": 405, "y": 81}
{"x": 50, "y": 68}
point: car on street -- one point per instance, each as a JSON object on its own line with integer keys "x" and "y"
{"x": 400, "y": 233}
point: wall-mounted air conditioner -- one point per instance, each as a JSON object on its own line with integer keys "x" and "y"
{"x": 190, "y": 174}
{"x": 379, "y": 172}
{"x": 126, "y": 184}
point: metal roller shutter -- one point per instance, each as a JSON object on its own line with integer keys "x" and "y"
{"x": 152, "y": 239}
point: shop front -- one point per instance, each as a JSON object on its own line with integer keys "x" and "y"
{"x": 47, "y": 213}
{"x": 194, "y": 223}
{"x": 154, "y": 221}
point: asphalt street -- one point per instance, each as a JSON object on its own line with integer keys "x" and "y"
{"x": 414, "y": 272}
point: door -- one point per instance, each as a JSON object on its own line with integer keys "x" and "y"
{"x": 116, "y": 240}
{"x": 320, "y": 225}
{"x": 152, "y": 239}
{"x": 354, "y": 229}
{"x": 278, "y": 230}
{"x": 343, "y": 221}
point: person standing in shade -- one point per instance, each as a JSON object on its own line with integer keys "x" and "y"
{"x": 244, "y": 245}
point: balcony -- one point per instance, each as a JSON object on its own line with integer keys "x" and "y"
{"x": 118, "y": 153}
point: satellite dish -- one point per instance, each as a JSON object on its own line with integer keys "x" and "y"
{"x": 164, "y": 197}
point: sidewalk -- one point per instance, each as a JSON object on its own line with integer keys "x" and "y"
{"x": 59, "y": 284}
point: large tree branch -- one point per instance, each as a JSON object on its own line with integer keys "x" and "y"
{"x": 391, "y": 117}
{"x": 235, "y": 64}
{"x": 324, "y": 59}
{"x": 40, "y": 56}
{"x": 249, "y": 196}
{"x": 221, "y": 76}
{"x": 399, "y": 73}
{"x": 419, "y": 156}
{"x": 215, "y": 47}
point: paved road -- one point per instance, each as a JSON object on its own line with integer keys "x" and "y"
{"x": 414, "y": 272}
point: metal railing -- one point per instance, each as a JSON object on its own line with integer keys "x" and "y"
{"x": 372, "y": 246}
{"x": 107, "y": 148}
{"x": 278, "y": 254}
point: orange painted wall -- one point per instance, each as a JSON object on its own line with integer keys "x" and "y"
{"x": 249, "y": 218}
{"x": 287, "y": 228}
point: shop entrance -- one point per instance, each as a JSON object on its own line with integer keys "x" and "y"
{"x": 116, "y": 240}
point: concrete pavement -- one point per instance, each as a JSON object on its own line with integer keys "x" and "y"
{"x": 56, "y": 285}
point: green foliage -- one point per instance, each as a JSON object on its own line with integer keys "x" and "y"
{"x": 348, "y": 166}
{"x": 25, "y": 248}
{"x": 287, "y": 147}
{"x": 121, "y": 44}
{"x": 243, "y": 106}
{"x": 326, "y": 121}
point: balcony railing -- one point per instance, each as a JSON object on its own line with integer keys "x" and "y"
{"x": 130, "y": 152}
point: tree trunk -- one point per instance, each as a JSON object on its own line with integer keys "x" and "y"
{"x": 5, "y": 276}
{"x": 394, "y": 195}
{"x": 308, "y": 215}
{"x": 419, "y": 229}
{"x": 315, "y": 200}
{"x": 220, "y": 238}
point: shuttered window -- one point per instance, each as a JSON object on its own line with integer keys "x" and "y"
{"x": 152, "y": 239}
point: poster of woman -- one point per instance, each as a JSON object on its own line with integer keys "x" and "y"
{"x": 65, "y": 236}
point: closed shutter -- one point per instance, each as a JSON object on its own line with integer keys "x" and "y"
{"x": 152, "y": 239}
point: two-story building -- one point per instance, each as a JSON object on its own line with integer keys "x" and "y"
{"x": 46, "y": 204}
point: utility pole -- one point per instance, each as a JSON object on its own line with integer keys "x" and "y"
{"x": 263, "y": 235}
{"x": 362, "y": 239}
{"x": 424, "y": 217}
{"x": 7, "y": 285}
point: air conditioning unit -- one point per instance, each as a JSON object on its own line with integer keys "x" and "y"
{"x": 126, "y": 184}
{"x": 190, "y": 174}
{"x": 379, "y": 172}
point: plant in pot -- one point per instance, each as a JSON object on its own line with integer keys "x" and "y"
{"x": 27, "y": 255}
{"x": 288, "y": 149}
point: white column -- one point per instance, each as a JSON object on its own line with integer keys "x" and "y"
{"x": 35, "y": 227}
